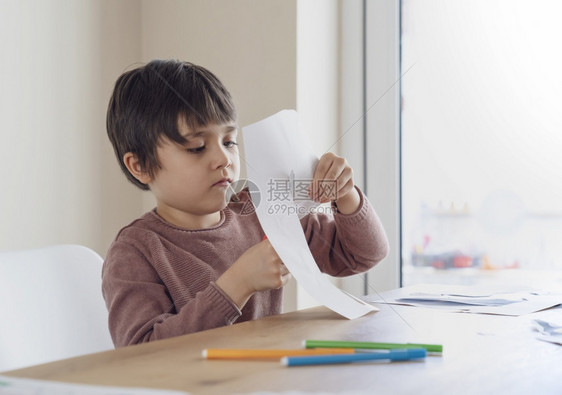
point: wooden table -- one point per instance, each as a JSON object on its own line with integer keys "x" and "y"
{"x": 483, "y": 354}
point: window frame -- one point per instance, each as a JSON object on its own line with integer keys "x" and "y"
{"x": 373, "y": 57}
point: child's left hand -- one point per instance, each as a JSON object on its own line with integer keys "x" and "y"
{"x": 333, "y": 180}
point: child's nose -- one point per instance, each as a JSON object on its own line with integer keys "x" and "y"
{"x": 221, "y": 158}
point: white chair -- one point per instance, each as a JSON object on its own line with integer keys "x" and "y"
{"x": 51, "y": 306}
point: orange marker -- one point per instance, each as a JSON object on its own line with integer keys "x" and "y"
{"x": 218, "y": 353}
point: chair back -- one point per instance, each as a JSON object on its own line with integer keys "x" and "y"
{"x": 51, "y": 305}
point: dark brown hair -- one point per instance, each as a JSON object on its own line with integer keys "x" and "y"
{"x": 147, "y": 103}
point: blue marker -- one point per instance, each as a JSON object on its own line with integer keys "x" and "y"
{"x": 392, "y": 355}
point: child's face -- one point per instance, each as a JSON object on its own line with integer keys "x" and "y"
{"x": 191, "y": 185}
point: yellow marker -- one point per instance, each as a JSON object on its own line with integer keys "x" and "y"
{"x": 270, "y": 354}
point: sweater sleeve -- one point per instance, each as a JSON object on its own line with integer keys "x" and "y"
{"x": 141, "y": 308}
{"x": 346, "y": 244}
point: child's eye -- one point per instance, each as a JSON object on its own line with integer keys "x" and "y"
{"x": 196, "y": 150}
{"x": 230, "y": 144}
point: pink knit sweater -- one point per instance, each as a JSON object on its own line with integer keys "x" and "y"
{"x": 159, "y": 279}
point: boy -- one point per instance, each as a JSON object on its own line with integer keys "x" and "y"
{"x": 196, "y": 261}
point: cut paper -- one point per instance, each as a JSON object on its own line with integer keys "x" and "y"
{"x": 280, "y": 161}
{"x": 549, "y": 331}
{"x": 471, "y": 299}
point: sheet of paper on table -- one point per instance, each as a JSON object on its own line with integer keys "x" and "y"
{"x": 549, "y": 331}
{"x": 12, "y": 385}
{"x": 278, "y": 156}
{"x": 472, "y": 299}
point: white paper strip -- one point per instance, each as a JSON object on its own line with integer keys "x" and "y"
{"x": 276, "y": 154}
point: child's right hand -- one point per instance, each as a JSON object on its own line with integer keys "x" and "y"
{"x": 258, "y": 269}
{"x": 263, "y": 268}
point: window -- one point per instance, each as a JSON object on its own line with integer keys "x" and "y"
{"x": 481, "y": 133}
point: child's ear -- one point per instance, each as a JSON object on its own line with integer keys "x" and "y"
{"x": 133, "y": 165}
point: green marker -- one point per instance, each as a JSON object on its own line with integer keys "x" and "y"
{"x": 370, "y": 345}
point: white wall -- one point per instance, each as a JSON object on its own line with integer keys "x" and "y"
{"x": 121, "y": 201}
{"x": 58, "y": 63}
{"x": 50, "y": 112}
{"x": 317, "y": 83}
{"x": 318, "y": 72}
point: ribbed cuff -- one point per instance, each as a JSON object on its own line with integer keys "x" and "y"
{"x": 222, "y": 302}
{"x": 356, "y": 217}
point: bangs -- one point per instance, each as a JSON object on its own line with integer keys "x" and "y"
{"x": 195, "y": 96}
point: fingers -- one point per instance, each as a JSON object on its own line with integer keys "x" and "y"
{"x": 276, "y": 259}
{"x": 258, "y": 269}
{"x": 269, "y": 272}
{"x": 333, "y": 178}
{"x": 283, "y": 270}
{"x": 285, "y": 279}
{"x": 280, "y": 276}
